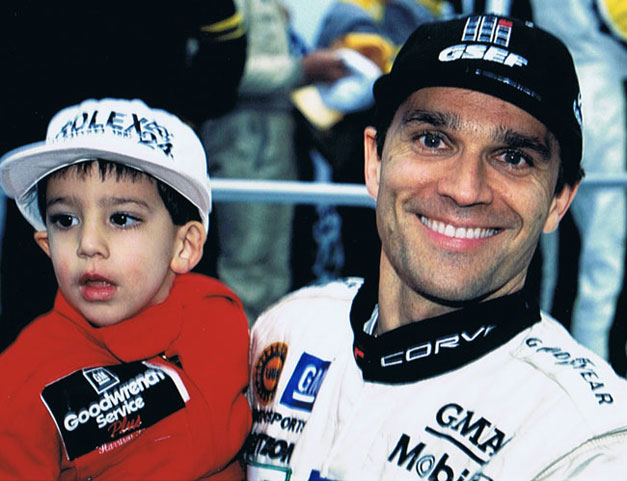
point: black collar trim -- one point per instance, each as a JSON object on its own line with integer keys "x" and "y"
{"x": 431, "y": 347}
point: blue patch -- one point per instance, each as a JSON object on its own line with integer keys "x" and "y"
{"x": 303, "y": 386}
{"x": 315, "y": 476}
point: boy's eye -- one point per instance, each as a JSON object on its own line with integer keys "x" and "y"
{"x": 122, "y": 219}
{"x": 64, "y": 221}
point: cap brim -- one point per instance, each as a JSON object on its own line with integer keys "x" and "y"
{"x": 44, "y": 158}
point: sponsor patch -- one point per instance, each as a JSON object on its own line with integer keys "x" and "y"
{"x": 100, "y": 408}
{"x": 274, "y": 418}
{"x": 267, "y": 472}
{"x": 582, "y": 365}
{"x": 477, "y": 437}
{"x": 268, "y": 371}
{"x": 134, "y": 127}
{"x": 303, "y": 386}
{"x": 261, "y": 445}
{"x": 428, "y": 463}
{"x": 487, "y": 29}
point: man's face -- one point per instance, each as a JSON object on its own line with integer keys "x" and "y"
{"x": 111, "y": 243}
{"x": 464, "y": 187}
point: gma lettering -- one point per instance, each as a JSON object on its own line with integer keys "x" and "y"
{"x": 479, "y": 432}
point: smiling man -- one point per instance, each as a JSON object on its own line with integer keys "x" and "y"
{"x": 444, "y": 368}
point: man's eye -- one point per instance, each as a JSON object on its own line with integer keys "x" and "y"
{"x": 122, "y": 219}
{"x": 63, "y": 221}
{"x": 430, "y": 140}
{"x": 517, "y": 159}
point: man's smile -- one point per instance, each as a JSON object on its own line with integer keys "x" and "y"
{"x": 458, "y": 232}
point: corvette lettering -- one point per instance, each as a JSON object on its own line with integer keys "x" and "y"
{"x": 429, "y": 348}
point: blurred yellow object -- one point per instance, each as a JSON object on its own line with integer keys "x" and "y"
{"x": 309, "y": 103}
{"x": 614, "y": 13}
{"x": 372, "y": 46}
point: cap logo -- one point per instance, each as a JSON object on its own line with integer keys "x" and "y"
{"x": 493, "y": 33}
{"x": 487, "y": 29}
{"x": 132, "y": 126}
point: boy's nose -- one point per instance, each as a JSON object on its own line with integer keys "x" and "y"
{"x": 92, "y": 241}
{"x": 465, "y": 181}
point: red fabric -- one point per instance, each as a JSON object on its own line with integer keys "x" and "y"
{"x": 201, "y": 322}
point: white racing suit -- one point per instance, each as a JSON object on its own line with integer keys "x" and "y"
{"x": 496, "y": 391}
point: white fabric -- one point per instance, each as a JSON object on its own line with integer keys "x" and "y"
{"x": 126, "y": 131}
{"x": 539, "y": 407}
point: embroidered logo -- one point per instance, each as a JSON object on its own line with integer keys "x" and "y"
{"x": 487, "y": 29}
{"x": 268, "y": 371}
{"x": 100, "y": 378}
{"x": 303, "y": 386}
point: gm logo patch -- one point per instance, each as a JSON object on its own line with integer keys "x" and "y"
{"x": 100, "y": 378}
{"x": 268, "y": 370}
{"x": 303, "y": 386}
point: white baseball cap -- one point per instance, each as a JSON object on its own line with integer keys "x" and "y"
{"x": 124, "y": 131}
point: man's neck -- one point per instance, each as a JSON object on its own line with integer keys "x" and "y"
{"x": 399, "y": 304}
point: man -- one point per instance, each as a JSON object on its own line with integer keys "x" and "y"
{"x": 446, "y": 369}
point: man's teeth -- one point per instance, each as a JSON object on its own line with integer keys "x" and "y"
{"x": 458, "y": 232}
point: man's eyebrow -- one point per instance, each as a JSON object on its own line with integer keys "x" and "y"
{"x": 436, "y": 119}
{"x": 521, "y": 141}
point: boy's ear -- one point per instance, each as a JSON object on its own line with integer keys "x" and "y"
{"x": 41, "y": 238}
{"x": 188, "y": 247}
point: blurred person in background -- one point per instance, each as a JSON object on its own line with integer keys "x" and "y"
{"x": 595, "y": 36}
{"x": 255, "y": 140}
{"x": 373, "y": 30}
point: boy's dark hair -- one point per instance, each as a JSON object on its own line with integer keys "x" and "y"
{"x": 180, "y": 209}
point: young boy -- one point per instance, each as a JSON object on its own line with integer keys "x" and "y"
{"x": 138, "y": 371}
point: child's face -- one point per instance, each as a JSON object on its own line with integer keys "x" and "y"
{"x": 111, "y": 243}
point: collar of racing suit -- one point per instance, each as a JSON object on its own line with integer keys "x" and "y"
{"x": 433, "y": 346}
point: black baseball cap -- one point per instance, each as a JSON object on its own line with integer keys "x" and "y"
{"x": 499, "y": 56}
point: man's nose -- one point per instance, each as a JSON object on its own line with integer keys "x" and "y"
{"x": 92, "y": 240}
{"x": 465, "y": 180}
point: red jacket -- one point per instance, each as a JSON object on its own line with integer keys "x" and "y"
{"x": 167, "y": 422}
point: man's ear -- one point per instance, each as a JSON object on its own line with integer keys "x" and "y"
{"x": 559, "y": 205}
{"x": 41, "y": 238}
{"x": 188, "y": 247}
{"x": 372, "y": 162}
